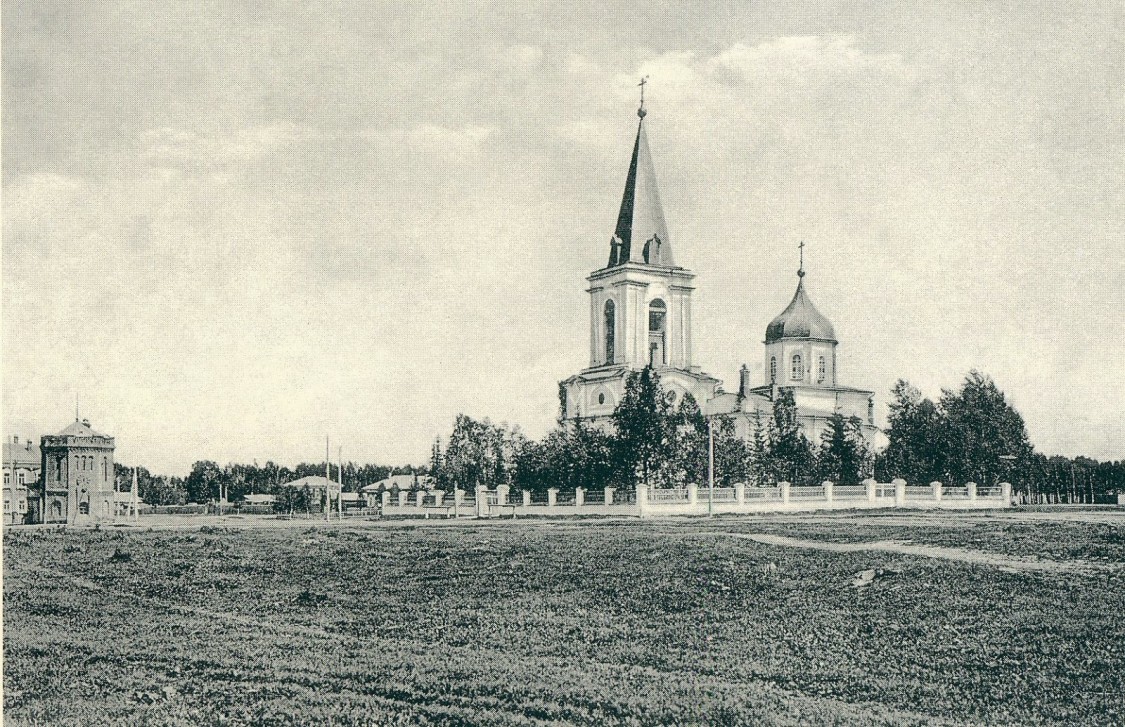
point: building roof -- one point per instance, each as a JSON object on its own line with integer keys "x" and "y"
{"x": 258, "y": 498}
{"x": 800, "y": 319}
{"x": 27, "y": 456}
{"x": 314, "y": 482}
{"x": 641, "y": 235}
{"x": 404, "y": 482}
{"x": 82, "y": 429}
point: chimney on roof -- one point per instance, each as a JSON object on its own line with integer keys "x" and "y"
{"x": 85, "y": 422}
{"x": 29, "y": 445}
{"x": 743, "y": 381}
{"x": 15, "y": 439}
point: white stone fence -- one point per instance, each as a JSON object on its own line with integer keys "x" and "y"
{"x": 696, "y": 500}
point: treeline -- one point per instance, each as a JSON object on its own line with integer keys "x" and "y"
{"x": 974, "y": 435}
{"x": 652, "y": 441}
{"x": 209, "y": 481}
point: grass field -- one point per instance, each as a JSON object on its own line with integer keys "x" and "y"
{"x": 661, "y": 622}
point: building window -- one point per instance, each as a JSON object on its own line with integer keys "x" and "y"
{"x": 821, "y": 369}
{"x": 105, "y": 462}
{"x": 601, "y": 398}
{"x": 83, "y": 508}
{"x": 773, "y": 369}
{"x": 21, "y": 476}
{"x": 7, "y": 477}
{"x": 610, "y": 329}
{"x": 798, "y": 370}
{"x": 657, "y": 316}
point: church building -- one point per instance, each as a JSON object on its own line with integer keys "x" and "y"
{"x": 640, "y": 315}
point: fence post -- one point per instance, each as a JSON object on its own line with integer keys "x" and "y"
{"x": 900, "y": 491}
{"x": 784, "y": 488}
{"x": 692, "y": 493}
{"x": 482, "y": 500}
{"x": 579, "y": 496}
{"x": 971, "y": 488}
{"x": 439, "y": 495}
{"x": 552, "y": 496}
{"x": 871, "y": 486}
{"x": 385, "y": 499}
{"x": 403, "y": 496}
{"x": 740, "y": 493}
{"x": 419, "y": 497}
{"x": 827, "y": 485}
{"x": 642, "y": 499}
{"x": 609, "y": 495}
{"x": 502, "y": 494}
{"x": 937, "y": 490}
{"x": 526, "y": 498}
{"x": 1006, "y": 493}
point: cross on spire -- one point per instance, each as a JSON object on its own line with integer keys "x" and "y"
{"x": 641, "y": 111}
{"x": 801, "y": 270}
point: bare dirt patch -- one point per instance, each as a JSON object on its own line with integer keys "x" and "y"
{"x": 1011, "y": 564}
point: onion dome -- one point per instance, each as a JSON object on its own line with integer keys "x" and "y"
{"x": 800, "y": 319}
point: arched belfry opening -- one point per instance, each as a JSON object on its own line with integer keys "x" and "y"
{"x": 657, "y": 323}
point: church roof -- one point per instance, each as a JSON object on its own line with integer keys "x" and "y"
{"x": 800, "y": 319}
{"x": 641, "y": 235}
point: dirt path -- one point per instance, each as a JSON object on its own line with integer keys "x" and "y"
{"x": 1011, "y": 564}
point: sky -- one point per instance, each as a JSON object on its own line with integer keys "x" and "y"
{"x": 231, "y": 229}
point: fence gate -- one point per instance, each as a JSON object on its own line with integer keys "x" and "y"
{"x": 487, "y": 503}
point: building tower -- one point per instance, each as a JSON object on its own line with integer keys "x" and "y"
{"x": 800, "y": 342}
{"x": 640, "y": 304}
{"x": 77, "y": 485}
{"x": 800, "y": 356}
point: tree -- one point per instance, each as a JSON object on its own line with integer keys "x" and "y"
{"x": 689, "y": 455}
{"x": 984, "y": 438}
{"x": 203, "y": 482}
{"x": 645, "y": 427}
{"x": 790, "y": 454}
{"x": 914, "y": 437}
{"x": 732, "y": 453}
{"x": 844, "y": 456}
{"x": 436, "y": 470}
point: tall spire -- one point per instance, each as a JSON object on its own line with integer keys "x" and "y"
{"x": 801, "y": 270}
{"x": 641, "y": 235}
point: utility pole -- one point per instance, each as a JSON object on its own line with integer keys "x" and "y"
{"x": 710, "y": 468}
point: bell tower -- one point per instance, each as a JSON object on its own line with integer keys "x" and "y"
{"x": 640, "y": 302}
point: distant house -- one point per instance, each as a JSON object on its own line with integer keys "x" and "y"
{"x": 123, "y": 504}
{"x": 263, "y": 500}
{"x": 371, "y": 492}
{"x": 21, "y": 471}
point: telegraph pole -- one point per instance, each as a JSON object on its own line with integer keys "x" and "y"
{"x": 710, "y": 468}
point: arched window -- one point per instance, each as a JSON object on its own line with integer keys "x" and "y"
{"x": 657, "y": 316}
{"x": 610, "y": 329}
{"x": 105, "y": 462}
{"x": 773, "y": 369}
{"x": 821, "y": 369}
{"x": 7, "y": 477}
{"x": 798, "y": 370}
